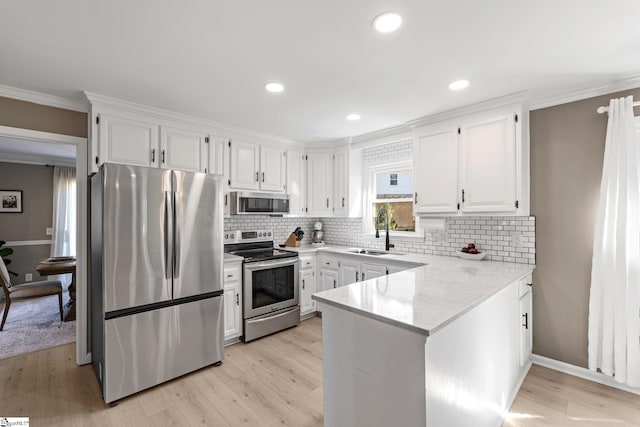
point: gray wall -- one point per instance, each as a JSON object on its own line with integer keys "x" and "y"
{"x": 27, "y": 115}
{"x": 567, "y": 150}
{"x": 36, "y": 183}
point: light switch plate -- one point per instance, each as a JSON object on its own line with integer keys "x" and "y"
{"x": 28, "y": 277}
{"x": 49, "y": 231}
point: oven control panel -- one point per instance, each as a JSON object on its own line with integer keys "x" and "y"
{"x": 247, "y": 236}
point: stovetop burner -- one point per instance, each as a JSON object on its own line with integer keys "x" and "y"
{"x": 262, "y": 254}
{"x": 253, "y": 245}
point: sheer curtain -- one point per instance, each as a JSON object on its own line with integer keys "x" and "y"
{"x": 614, "y": 306}
{"x": 64, "y": 215}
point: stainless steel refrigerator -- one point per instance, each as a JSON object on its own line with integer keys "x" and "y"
{"x": 156, "y": 276}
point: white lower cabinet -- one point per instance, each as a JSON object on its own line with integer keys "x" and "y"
{"x": 352, "y": 271}
{"x": 308, "y": 285}
{"x": 232, "y": 301}
{"x": 525, "y": 305}
{"x": 329, "y": 279}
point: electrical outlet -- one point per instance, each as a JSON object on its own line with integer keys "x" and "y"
{"x": 49, "y": 231}
{"x": 28, "y": 277}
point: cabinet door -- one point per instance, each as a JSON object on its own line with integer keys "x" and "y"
{"x": 329, "y": 279}
{"x": 245, "y": 158}
{"x": 526, "y": 330}
{"x": 296, "y": 182}
{"x": 272, "y": 169}
{"x": 128, "y": 141}
{"x": 341, "y": 183}
{"x": 307, "y": 288}
{"x": 232, "y": 310}
{"x": 219, "y": 165}
{"x": 488, "y": 165}
{"x": 319, "y": 184}
{"x": 181, "y": 149}
{"x": 349, "y": 272}
{"x": 371, "y": 271}
{"x": 435, "y": 169}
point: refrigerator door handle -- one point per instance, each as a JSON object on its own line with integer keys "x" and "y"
{"x": 168, "y": 236}
{"x": 177, "y": 226}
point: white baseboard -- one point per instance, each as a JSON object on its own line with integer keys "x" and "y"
{"x": 583, "y": 373}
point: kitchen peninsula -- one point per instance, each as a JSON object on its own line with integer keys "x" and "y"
{"x": 445, "y": 344}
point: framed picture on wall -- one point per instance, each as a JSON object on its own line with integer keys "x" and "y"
{"x": 10, "y": 201}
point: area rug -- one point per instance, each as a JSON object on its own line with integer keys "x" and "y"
{"x": 34, "y": 325}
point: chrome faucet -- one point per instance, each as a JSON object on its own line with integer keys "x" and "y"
{"x": 387, "y": 243}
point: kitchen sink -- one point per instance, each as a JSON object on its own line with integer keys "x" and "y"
{"x": 371, "y": 252}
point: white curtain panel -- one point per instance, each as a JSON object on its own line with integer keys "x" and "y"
{"x": 64, "y": 215}
{"x": 614, "y": 306}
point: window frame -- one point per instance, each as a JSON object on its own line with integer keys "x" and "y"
{"x": 370, "y": 171}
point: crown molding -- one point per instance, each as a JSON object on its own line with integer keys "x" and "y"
{"x": 632, "y": 81}
{"x": 381, "y": 137}
{"x": 502, "y": 101}
{"x": 106, "y": 101}
{"x": 43, "y": 99}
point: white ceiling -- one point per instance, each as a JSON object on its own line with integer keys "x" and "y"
{"x": 211, "y": 58}
{"x": 27, "y": 151}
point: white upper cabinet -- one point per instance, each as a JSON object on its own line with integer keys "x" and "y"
{"x": 436, "y": 169}
{"x": 216, "y": 154}
{"x": 245, "y": 165}
{"x": 182, "y": 149}
{"x": 127, "y": 140}
{"x": 474, "y": 164}
{"x": 487, "y": 164}
{"x": 273, "y": 163}
{"x": 319, "y": 184}
{"x": 341, "y": 183}
{"x": 296, "y": 182}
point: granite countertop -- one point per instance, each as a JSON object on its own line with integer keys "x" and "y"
{"x": 425, "y": 298}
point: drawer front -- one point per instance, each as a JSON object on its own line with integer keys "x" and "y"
{"x": 329, "y": 262}
{"x": 232, "y": 273}
{"x": 526, "y": 284}
{"x": 307, "y": 262}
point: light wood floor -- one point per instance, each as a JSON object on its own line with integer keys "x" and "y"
{"x": 273, "y": 381}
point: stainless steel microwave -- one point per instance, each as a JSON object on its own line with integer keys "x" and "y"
{"x": 251, "y": 203}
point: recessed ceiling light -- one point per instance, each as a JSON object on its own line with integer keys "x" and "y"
{"x": 387, "y": 22}
{"x": 274, "y": 87}
{"x": 353, "y": 117}
{"x": 458, "y": 84}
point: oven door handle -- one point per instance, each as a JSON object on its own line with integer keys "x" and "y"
{"x": 265, "y": 319}
{"x": 269, "y": 264}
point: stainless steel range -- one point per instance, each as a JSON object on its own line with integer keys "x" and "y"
{"x": 270, "y": 282}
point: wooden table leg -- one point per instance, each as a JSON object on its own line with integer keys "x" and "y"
{"x": 70, "y": 307}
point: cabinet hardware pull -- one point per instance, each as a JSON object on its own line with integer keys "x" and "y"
{"x": 526, "y": 320}
{"x": 257, "y": 177}
{"x": 237, "y": 299}
{"x": 415, "y": 198}
{"x": 530, "y": 284}
{"x": 302, "y": 283}
{"x": 327, "y": 202}
{"x": 262, "y": 176}
{"x": 327, "y": 263}
{"x": 153, "y": 155}
{"x": 97, "y": 160}
{"x": 226, "y": 199}
{"x": 357, "y": 277}
{"x": 363, "y": 279}
{"x": 387, "y": 272}
{"x": 343, "y": 202}
{"x": 334, "y": 283}
{"x": 463, "y": 195}
{"x": 162, "y": 156}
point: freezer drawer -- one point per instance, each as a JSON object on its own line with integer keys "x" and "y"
{"x": 152, "y": 347}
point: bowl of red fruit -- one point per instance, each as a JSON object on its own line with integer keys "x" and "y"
{"x": 471, "y": 252}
